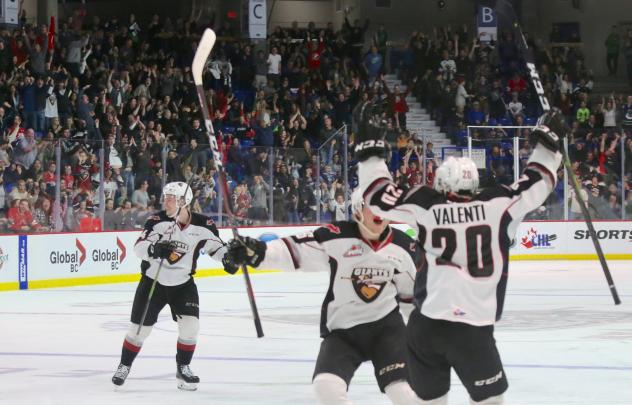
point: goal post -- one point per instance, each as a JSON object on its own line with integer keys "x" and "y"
{"x": 510, "y": 131}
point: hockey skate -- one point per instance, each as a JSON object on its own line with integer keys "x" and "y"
{"x": 186, "y": 379}
{"x": 121, "y": 374}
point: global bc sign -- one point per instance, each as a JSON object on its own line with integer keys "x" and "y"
{"x": 75, "y": 258}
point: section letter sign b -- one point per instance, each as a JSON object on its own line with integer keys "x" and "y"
{"x": 487, "y": 24}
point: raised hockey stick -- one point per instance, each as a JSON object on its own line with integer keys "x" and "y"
{"x": 153, "y": 284}
{"x": 199, "y": 61}
{"x": 505, "y": 10}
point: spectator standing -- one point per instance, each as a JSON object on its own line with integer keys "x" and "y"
{"x": 260, "y": 191}
{"x": 140, "y": 197}
{"x": 26, "y": 149}
{"x": 373, "y": 64}
{"x": 274, "y": 66}
{"x": 613, "y": 46}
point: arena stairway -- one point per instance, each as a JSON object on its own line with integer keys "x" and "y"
{"x": 418, "y": 120}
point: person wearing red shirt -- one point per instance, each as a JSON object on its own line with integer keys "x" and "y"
{"x": 21, "y": 219}
{"x": 516, "y": 84}
{"x": 48, "y": 176}
{"x": 68, "y": 177}
{"x": 315, "y": 47}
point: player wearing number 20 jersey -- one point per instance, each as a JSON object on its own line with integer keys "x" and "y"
{"x": 467, "y": 238}
{"x": 460, "y": 289}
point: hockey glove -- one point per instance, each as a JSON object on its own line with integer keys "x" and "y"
{"x": 161, "y": 249}
{"x": 370, "y": 148}
{"x": 245, "y": 250}
{"x": 551, "y": 126}
{"x": 229, "y": 261}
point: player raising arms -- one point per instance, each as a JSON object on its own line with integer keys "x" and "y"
{"x": 170, "y": 251}
{"x": 370, "y": 265}
{"x": 460, "y": 290}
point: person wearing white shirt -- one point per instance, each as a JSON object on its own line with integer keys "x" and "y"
{"x": 274, "y": 66}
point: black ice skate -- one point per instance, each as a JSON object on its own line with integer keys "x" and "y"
{"x": 186, "y": 379}
{"x": 121, "y": 374}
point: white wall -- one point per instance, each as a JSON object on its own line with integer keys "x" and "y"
{"x": 404, "y": 16}
{"x": 595, "y": 17}
{"x": 301, "y": 11}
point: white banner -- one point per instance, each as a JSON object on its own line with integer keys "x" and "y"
{"x": 9, "y": 12}
{"x": 257, "y": 19}
{"x": 81, "y": 255}
{"x": 37, "y": 261}
{"x": 9, "y": 255}
{"x": 571, "y": 239}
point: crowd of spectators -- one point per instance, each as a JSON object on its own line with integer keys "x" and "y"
{"x": 123, "y": 90}
{"x": 466, "y": 82}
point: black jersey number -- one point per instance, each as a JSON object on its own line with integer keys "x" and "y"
{"x": 478, "y": 240}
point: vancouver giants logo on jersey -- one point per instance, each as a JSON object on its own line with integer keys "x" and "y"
{"x": 368, "y": 282}
{"x": 180, "y": 250}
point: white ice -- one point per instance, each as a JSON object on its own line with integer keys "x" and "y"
{"x": 562, "y": 341}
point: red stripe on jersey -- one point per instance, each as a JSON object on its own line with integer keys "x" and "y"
{"x": 131, "y": 347}
{"x": 186, "y": 348}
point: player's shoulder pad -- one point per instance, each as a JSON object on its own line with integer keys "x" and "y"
{"x": 422, "y": 196}
{"x": 157, "y": 217}
{"x": 336, "y": 230}
{"x": 408, "y": 244}
{"x": 204, "y": 222}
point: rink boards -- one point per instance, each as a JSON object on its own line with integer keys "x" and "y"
{"x": 67, "y": 259}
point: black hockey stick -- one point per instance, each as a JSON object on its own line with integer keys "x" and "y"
{"x": 505, "y": 11}
{"x": 199, "y": 60}
{"x": 162, "y": 259}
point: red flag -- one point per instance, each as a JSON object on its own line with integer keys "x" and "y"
{"x": 51, "y": 34}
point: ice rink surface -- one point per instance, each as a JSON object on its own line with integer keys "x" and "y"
{"x": 561, "y": 339}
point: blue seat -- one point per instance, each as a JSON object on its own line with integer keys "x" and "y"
{"x": 492, "y": 122}
{"x": 247, "y": 143}
{"x": 247, "y": 97}
{"x": 530, "y": 121}
{"x": 505, "y": 122}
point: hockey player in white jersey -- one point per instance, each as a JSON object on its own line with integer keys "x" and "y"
{"x": 371, "y": 265}
{"x": 460, "y": 289}
{"x": 174, "y": 249}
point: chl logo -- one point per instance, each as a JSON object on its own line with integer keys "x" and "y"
{"x": 369, "y": 283}
{"x": 537, "y": 240}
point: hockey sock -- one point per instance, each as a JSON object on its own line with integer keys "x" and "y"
{"x": 129, "y": 353}
{"x": 187, "y": 338}
{"x": 185, "y": 352}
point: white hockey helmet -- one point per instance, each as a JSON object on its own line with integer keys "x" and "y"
{"x": 180, "y": 190}
{"x": 456, "y": 175}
